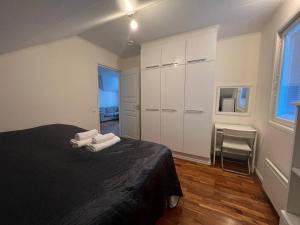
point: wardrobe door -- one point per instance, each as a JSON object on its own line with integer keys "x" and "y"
{"x": 173, "y": 53}
{"x": 199, "y": 86}
{"x": 150, "y": 89}
{"x": 199, "y": 89}
{"x": 202, "y": 47}
{"x": 150, "y": 105}
{"x": 172, "y": 129}
{"x": 197, "y": 133}
{"x": 172, "y": 87}
{"x": 172, "y": 102}
{"x": 150, "y": 57}
{"x": 150, "y": 125}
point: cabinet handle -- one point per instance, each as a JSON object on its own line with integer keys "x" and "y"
{"x": 151, "y": 67}
{"x": 152, "y": 110}
{"x": 196, "y": 60}
{"x": 193, "y": 111}
{"x": 169, "y": 110}
{"x": 170, "y": 64}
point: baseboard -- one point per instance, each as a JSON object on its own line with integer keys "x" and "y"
{"x": 259, "y": 175}
{"x": 192, "y": 158}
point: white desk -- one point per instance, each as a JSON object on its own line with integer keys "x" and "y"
{"x": 219, "y": 130}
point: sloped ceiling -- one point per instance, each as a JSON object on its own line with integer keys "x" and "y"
{"x": 105, "y": 22}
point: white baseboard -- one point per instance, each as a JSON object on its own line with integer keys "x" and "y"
{"x": 259, "y": 175}
{"x": 191, "y": 158}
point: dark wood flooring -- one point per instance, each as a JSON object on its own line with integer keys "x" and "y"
{"x": 215, "y": 197}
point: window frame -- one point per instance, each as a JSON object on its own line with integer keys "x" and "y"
{"x": 280, "y": 45}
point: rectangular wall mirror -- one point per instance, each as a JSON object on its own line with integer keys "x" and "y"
{"x": 233, "y": 99}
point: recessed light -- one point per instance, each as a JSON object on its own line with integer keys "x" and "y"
{"x": 134, "y": 25}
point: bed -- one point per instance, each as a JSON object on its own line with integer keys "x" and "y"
{"x": 46, "y": 182}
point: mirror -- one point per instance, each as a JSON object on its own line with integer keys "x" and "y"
{"x": 233, "y": 99}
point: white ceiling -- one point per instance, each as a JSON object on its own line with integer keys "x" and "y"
{"x": 104, "y": 22}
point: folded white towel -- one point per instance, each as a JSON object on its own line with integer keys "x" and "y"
{"x": 86, "y": 135}
{"x": 102, "y": 138}
{"x": 101, "y": 146}
{"x": 78, "y": 144}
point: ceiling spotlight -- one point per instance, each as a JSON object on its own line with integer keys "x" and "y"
{"x": 134, "y": 25}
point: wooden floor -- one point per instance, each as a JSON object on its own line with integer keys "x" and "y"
{"x": 215, "y": 197}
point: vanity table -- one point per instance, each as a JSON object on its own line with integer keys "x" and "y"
{"x": 218, "y": 130}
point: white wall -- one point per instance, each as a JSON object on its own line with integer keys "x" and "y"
{"x": 275, "y": 144}
{"x": 129, "y": 63}
{"x": 52, "y": 83}
{"x": 237, "y": 64}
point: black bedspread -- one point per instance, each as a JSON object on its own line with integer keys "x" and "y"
{"x": 46, "y": 182}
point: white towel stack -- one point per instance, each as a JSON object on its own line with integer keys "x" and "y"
{"x": 83, "y": 138}
{"x": 93, "y": 140}
{"x": 86, "y": 135}
{"x": 95, "y": 147}
{"x": 102, "y": 138}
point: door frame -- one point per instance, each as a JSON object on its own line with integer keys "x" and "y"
{"x": 119, "y": 95}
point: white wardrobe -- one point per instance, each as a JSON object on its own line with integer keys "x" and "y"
{"x": 177, "y": 89}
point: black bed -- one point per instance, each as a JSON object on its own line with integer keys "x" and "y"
{"x": 46, "y": 182}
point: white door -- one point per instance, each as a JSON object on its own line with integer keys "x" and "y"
{"x": 199, "y": 89}
{"x": 150, "y": 57}
{"x": 172, "y": 105}
{"x": 173, "y": 53}
{"x": 130, "y": 103}
{"x": 202, "y": 47}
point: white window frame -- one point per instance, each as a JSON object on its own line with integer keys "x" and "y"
{"x": 279, "y": 122}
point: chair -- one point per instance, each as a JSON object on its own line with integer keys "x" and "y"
{"x": 239, "y": 144}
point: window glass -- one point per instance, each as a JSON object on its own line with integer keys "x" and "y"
{"x": 289, "y": 87}
{"x": 243, "y": 98}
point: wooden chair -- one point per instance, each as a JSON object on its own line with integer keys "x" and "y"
{"x": 239, "y": 144}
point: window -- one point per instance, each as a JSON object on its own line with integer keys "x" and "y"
{"x": 287, "y": 80}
